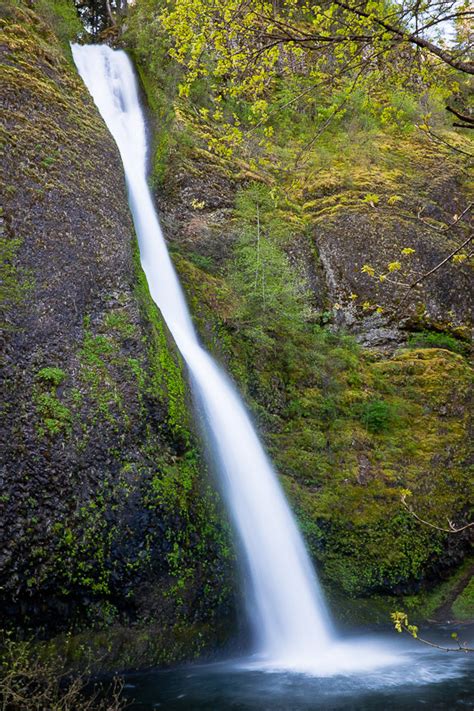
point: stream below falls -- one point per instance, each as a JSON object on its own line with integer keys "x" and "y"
{"x": 421, "y": 678}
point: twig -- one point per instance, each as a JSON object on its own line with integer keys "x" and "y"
{"x": 463, "y": 117}
{"x": 438, "y": 266}
{"x": 430, "y": 133}
{"x": 449, "y": 225}
{"x": 462, "y": 646}
{"x": 326, "y": 123}
{"x": 452, "y": 528}
{"x": 422, "y": 42}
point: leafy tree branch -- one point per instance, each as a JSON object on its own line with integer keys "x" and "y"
{"x": 402, "y": 624}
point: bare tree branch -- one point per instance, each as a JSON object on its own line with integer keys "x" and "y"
{"x": 444, "y": 55}
{"x": 464, "y": 117}
{"x": 439, "y": 139}
{"x": 447, "y": 227}
{"x": 452, "y": 528}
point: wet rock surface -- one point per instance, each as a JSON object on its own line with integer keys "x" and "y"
{"x": 95, "y": 416}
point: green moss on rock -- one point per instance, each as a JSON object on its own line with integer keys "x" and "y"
{"x": 463, "y": 605}
{"x": 110, "y": 520}
{"x": 349, "y": 428}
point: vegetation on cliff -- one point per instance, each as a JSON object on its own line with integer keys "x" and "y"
{"x": 284, "y": 202}
{"x": 108, "y": 518}
{"x": 272, "y": 217}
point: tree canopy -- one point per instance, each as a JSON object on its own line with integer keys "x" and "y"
{"x": 243, "y": 47}
{"x": 97, "y": 15}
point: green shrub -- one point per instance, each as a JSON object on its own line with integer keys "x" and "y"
{"x": 272, "y": 295}
{"x": 54, "y": 415}
{"x": 33, "y": 677}
{"x": 377, "y": 416}
{"x": 432, "y": 339}
{"x": 463, "y": 606}
{"x": 51, "y": 375}
{"x": 201, "y": 261}
{"x": 62, "y": 16}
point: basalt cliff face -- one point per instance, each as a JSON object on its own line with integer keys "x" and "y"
{"x": 109, "y": 519}
{"x": 107, "y": 516}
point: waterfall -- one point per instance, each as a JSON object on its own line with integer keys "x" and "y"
{"x": 285, "y": 605}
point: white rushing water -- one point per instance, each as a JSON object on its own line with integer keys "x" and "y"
{"x": 286, "y": 609}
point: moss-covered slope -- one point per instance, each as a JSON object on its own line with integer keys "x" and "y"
{"x": 349, "y": 427}
{"x": 107, "y": 516}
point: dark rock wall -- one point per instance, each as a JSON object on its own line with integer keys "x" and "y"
{"x": 107, "y": 516}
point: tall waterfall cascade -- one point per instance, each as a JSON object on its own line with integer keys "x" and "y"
{"x": 285, "y": 605}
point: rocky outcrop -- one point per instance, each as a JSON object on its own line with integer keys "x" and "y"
{"x": 107, "y": 517}
{"x": 403, "y": 222}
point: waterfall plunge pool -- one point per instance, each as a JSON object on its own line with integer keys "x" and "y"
{"x": 418, "y": 678}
